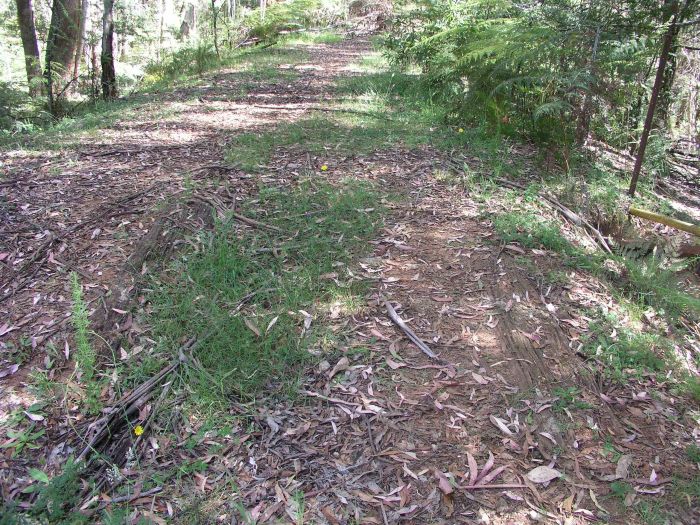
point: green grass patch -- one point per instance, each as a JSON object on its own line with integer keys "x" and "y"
{"x": 600, "y": 189}
{"x": 646, "y": 282}
{"x": 626, "y": 352}
{"x": 569, "y": 398}
{"x": 266, "y": 343}
{"x": 620, "y": 489}
{"x": 693, "y": 453}
{"x": 686, "y": 492}
{"x": 187, "y": 64}
{"x": 312, "y": 37}
{"x": 320, "y": 136}
{"x": 531, "y": 231}
{"x": 649, "y": 283}
{"x": 374, "y": 111}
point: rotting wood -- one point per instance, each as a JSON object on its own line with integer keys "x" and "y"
{"x": 407, "y": 330}
{"x": 663, "y": 219}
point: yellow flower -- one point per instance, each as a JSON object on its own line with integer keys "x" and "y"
{"x": 460, "y": 130}
{"x": 324, "y": 168}
{"x": 138, "y": 430}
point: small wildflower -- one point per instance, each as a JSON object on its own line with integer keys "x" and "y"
{"x": 138, "y": 430}
{"x": 460, "y": 130}
{"x": 324, "y": 168}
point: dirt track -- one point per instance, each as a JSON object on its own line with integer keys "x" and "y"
{"x": 388, "y": 435}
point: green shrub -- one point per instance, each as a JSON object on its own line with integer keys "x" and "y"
{"x": 532, "y": 65}
{"x": 651, "y": 284}
{"x": 18, "y": 111}
{"x": 281, "y": 17}
{"x": 190, "y": 60}
{"x": 56, "y": 500}
{"x": 85, "y": 356}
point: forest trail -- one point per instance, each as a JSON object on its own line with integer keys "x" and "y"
{"x": 100, "y": 203}
{"x": 383, "y": 433}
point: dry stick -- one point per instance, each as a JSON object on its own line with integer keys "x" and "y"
{"x": 381, "y": 472}
{"x": 151, "y": 417}
{"x": 410, "y": 333}
{"x": 128, "y": 402}
{"x": 497, "y": 486}
{"x": 131, "y": 497}
{"x": 330, "y": 399}
{"x": 254, "y": 223}
{"x": 131, "y": 402}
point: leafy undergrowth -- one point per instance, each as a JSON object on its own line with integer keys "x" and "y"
{"x": 251, "y": 297}
{"x": 380, "y": 108}
{"x": 257, "y": 299}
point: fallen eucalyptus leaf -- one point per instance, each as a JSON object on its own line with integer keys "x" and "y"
{"x": 543, "y": 474}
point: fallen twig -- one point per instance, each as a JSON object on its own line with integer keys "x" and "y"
{"x": 254, "y": 223}
{"x": 330, "y": 399}
{"x": 410, "y": 333}
{"x": 128, "y": 404}
{"x": 495, "y": 486}
{"x": 132, "y": 497}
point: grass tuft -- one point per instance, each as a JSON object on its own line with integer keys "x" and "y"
{"x": 290, "y": 275}
{"x": 626, "y": 352}
{"x": 85, "y": 355}
{"x": 531, "y": 231}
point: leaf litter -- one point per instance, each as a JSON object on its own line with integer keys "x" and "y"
{"x": 395, "y": 434}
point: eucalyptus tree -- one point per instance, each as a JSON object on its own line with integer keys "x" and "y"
{"x": 32, "y": 59}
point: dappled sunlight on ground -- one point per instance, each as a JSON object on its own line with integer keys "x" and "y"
{"x": 377, "y": 430}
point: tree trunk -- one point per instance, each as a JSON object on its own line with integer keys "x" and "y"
{"x": 161, "y": 24}
{"x": 32, "y": 60}
{"x": 84, "y": 6}
{"x": 584, "y": 123}
{"x": 653, "y": 99}
{"x": 666, "y": 90}
{"x": 263, "y": 8}
{"x": 61, "y": 47}
{"x": 215, "y": 15}
{"x": 109, "y": 78}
